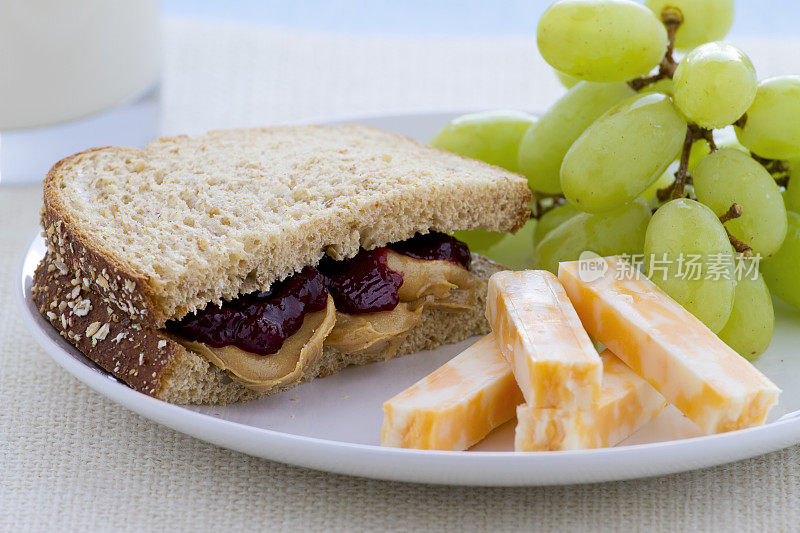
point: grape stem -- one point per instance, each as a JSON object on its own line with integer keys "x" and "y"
{"x": 738, "y": 245}
{"x": 782, "y": 181}
{"x": 735, "y": 211}
{"x": 546, "y": 202}
{"x": 778, "y": 168}
{"x": 682, "y": 176}
{"x": 708, "y": 135}
{"x": 682, "y": 173}
{"x": 672, "y": 19}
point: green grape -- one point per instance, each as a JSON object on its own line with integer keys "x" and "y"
{"x": 663, "y": 181}
{"x": 601, "y": 40}
{"x": 682, "y": 237}
{"x": 791, "y": 197}
{"x": 619, "y": 232}
{"x": 780, "y": 270}
{"x": 730, "y": 176}
{"x": 772, "y": 126}
{"x": 731, "y": 142}
{"x": 543, "y": 147}
{"x": 714, "y": 85}
{"x": 479, "y": 240}
{"x": 566, "y": 80}
{"x": 752, "y": 322}
{"x": 663, "y": 85}
{"x": 703, "y": 20}
{"x": 491, "y": 136}
{"x": 699, "y": 150}
{"x": 515, "y": 250}
{"x": 622, "y": 153}
{"x": 554, "y": 218}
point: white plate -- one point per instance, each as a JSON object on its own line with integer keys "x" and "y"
{"x": 333, "y": 424}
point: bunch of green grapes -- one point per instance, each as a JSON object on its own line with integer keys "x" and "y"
{"x": 626, "y": 161}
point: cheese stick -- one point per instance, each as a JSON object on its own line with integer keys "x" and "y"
{"x": 541, "y": 336}
{"x": 455, "y": 406}
{"x": 627, "y": 402}
{"x": 665, "y": 344}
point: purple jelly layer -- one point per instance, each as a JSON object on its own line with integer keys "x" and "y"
{"x": 260, "y": 322}
{"x": 362, "y": 284}
{"x": 365, "y": 284}
{"x": 435, "y": 246}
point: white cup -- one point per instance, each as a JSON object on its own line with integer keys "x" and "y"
{"x": 62, "y": 60}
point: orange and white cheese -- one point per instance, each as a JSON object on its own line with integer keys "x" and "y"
{"x": 455, "y": 406}
{"x": 665, "y": 344}
{"x": 541, "y": 336}
{"x": 627, "y": 402}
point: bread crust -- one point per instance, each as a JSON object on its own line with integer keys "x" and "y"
{"x": 107, "y": 275}
{"x": 140, "y": 355}
{"x": 98, "y": 322}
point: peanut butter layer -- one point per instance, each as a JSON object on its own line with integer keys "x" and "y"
{"x": 434, "y": 283}
{"x": 262, "y": 373}
{"x": 374, "y": 332}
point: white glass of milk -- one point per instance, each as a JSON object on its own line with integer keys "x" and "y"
{"x": 74, "y": 74}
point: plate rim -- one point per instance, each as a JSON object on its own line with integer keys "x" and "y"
{"x": 479, "y": 468}
{"x": 294, "y": 449}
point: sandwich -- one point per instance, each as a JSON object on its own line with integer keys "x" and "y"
{"x": 236, "y": 264}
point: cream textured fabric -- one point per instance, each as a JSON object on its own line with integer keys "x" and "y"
{"x": 72, "y": 460}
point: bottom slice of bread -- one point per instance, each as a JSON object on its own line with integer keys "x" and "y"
{"x": 152, "y": 363}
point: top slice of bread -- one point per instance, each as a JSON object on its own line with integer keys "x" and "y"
{"x": 189, "y": 220}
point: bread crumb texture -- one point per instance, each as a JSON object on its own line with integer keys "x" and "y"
{"x": 192, "y": 220}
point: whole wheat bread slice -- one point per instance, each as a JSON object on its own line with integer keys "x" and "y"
{"x": 139, "y": 237}
{"x": 192, "y": 220}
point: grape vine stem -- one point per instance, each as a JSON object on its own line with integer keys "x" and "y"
{"x": 778, "y": 168}
{"x": 682, "y": 177}
{"x": 738, "y": 245}
{"x": 735, "y": 211}
{"x": 682, "y": 173}
{"x": 546, "y": 202}
{"x": 672, "y": 19}
{"x": 708, "y": 135}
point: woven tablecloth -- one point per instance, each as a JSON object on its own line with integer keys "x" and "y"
{"x": 71, "y": 459}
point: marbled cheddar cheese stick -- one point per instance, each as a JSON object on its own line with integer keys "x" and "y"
{"x": 665, "y": 344}
{"x": 455, "y": 406}
{"x": 627, "y": 402}
{"x": 541, "y": 336}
